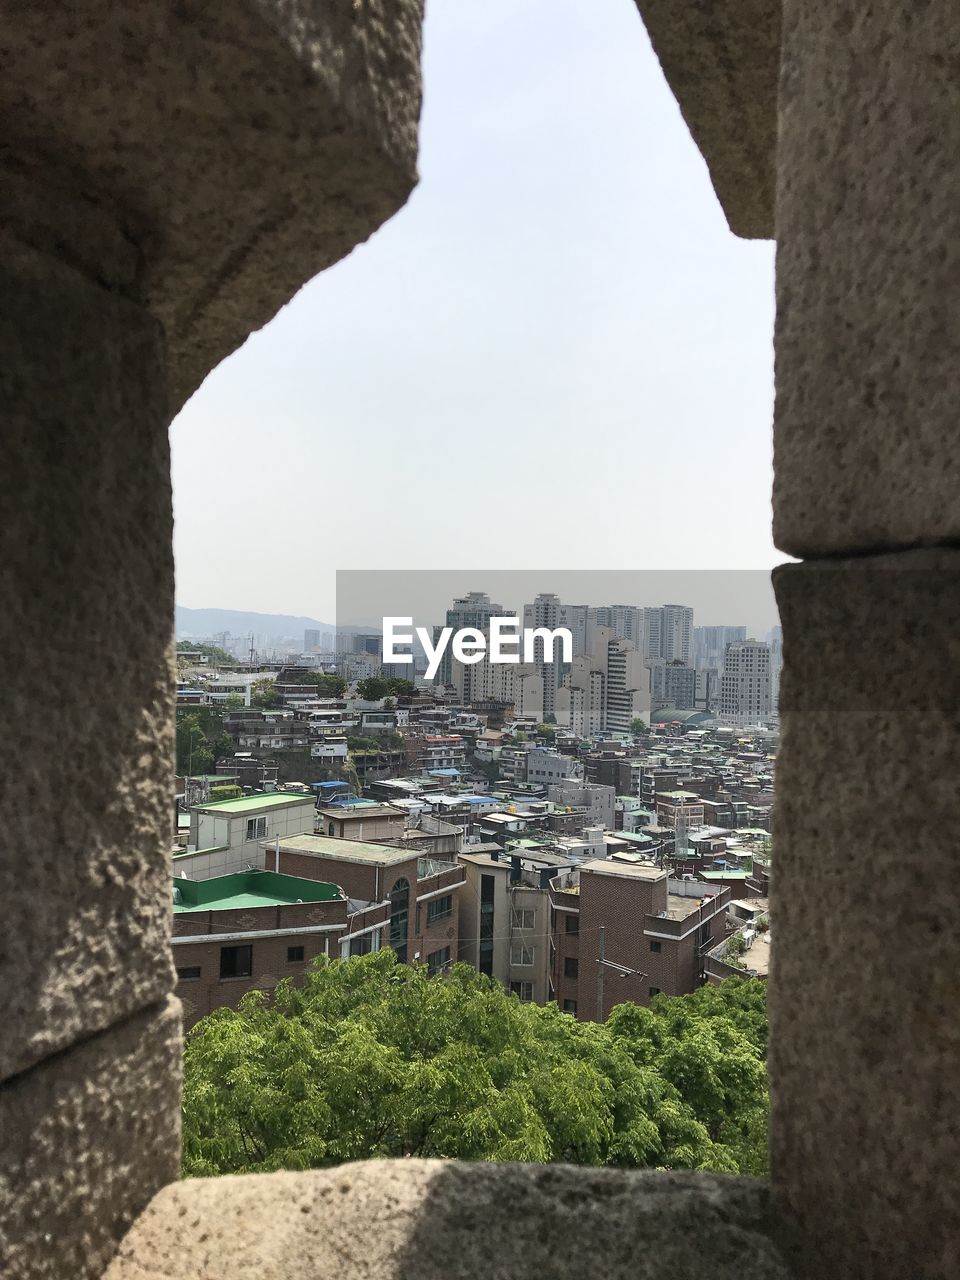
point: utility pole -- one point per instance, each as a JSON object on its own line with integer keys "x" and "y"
{"x": 603, "y": 963}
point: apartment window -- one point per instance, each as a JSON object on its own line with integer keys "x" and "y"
{"x": 256, "y": 828}
{"x": 361, "y": 946}
{"x": 521, "y": 954}
{"x": 524, "y": 918}
{"x": 439, "y": 908}
{"x": 487, "y": 891}
{"x": 437, "y": 961}
{"x": 573, "y": 924}
{"x": 524, "y": 990}
{"x": 294, "y": 955}
{"x": 189, "y": 973}
{"x": 236, "y": 962}
{"x": 654, "y": 991}
{"x": 399, "y": 912}
{"x": 571, "y": 967}
{"x": 655, "y": 946}
{"x": 569, "y": 1006}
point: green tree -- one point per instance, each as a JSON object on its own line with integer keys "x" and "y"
{"x": 194, "y": 752}
{"x": 371, "y": 1058}
{"x": 547, "y": 731}
{"x": 328, "y": 686}
{"x": 373, "y": 688}
{"x": 401, "y": 688}
{"x": 638, "y": 726}
{"x": 264, "y": 694}
{"x": 233, "y": 702}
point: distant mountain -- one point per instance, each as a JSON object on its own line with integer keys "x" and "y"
{"x": 200, "y": 624}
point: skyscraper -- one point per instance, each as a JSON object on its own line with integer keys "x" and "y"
{"x": 676, "y": 636}
{"x": 475, "y": 609}
{"x": 546, "y": 611}
{"x": 606, "y": 689}
{"x": 745, "y": 686}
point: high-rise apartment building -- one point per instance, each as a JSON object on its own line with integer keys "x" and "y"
{"x": 676, "y": 638}
{"x": 311, "y": 641}
{"x": 745, "y": 686}
{"x": 710, "y": 645}
{"x": 606, "y": 689}
{"x": 520, "y": 684}
{"x": 672, "y": 685}
{"x": 668, "y": 633}
{"x": 576, "y": 618}
{"x": 475, "y": 609}
{"x": 546, "y": 611}
{"x": 624, "y": 620}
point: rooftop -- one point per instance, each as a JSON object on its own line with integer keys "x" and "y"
{"x": 253, "y": 804}
{"x": 383, "y": 855}
{"x": 248, "y": 889}
{"x": 362, "y": 812}
{"x": 631, "y": 870}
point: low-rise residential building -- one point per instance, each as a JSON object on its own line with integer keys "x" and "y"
{"x": 362, "y": 820}
{"x": 505, "y": 917}
{"x": 624, "y": 931}
{"x": 228, "y": 835}
{"x": 419, "y": 894}
{"x": 249, "y": 930}
{"x": 596, "y": 802}
{"x": 746, "y": 952}
{"x": 545, "y": 766}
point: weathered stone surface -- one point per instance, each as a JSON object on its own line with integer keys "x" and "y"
{"x": 867, "y": 452}
{"x": 437, "y": 1220}
{"x": 865, "y": 988}
{"x": 721, "y": 58}
{"x": 87, "y": 1138}
{"x": 86, "y": 608}
{"x": 239, "y": 148}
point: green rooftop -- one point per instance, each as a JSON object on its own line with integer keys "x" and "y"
{"x": 249, "y": 889}
{"x": 262, "y": 800}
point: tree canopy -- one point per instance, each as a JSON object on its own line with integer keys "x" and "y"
{"x": 372, "y": 1058}
{"x": 373, "y": 688}
{"x": 200, "y": 739}
{"x": 328, "y": 685}
{"x": 264, "y": 694}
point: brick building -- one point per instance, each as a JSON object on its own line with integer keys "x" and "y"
{"x": 650, "y": 931}
{"x": 419, "y": 895}
{"x": 235, "y": 933}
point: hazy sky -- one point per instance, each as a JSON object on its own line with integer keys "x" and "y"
{"x": 556, "y": 354}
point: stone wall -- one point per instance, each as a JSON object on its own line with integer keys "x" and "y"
{"x": 171, "y": 174}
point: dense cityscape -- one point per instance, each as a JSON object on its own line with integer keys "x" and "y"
{"x": 586, "y": 833}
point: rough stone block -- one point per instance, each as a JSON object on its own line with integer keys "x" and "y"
{"x": 866, "y": 449}
{"x": 86, "y": 584}
{"x": 721, "y": 58}
{"x": 446, "y": 1220}
{"x": 239, "y": 148}
{"x": 864, "y": 990}
{"x": 87, "y": 1138}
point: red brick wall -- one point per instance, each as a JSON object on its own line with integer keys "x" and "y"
{"x": 270, "y": 965}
